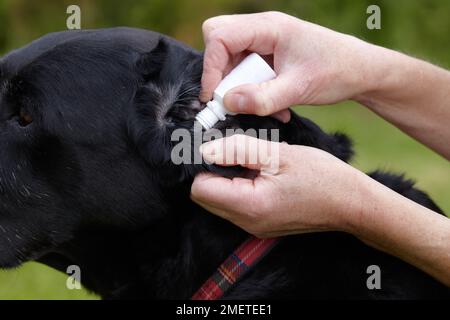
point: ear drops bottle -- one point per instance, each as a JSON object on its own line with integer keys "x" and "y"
{"x": 252, "y": 70}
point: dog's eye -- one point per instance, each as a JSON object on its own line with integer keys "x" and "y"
{"x": 25, "y": 118}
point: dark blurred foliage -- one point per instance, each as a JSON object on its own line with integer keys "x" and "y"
{"x": 418, "y": 27}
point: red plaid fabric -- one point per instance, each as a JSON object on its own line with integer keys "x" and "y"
{"x": 234, "y": 268}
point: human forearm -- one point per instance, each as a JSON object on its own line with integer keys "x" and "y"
{"x": 394, "y": 224}
{"x": 412, "y": 94}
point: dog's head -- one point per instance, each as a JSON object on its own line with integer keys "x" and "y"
{"x": 85, "y": 125}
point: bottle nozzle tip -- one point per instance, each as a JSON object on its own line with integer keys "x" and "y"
{"x": 207, "y": 118}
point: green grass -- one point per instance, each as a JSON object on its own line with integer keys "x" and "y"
{"x": 36, "y": 281}
{"x": 378, "y": 145}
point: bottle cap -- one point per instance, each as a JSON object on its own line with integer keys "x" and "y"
{"x": 207, "y": 118}
{"x": 253, "y": 69}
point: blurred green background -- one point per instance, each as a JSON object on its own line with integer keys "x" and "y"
{"x": 417, "y": 27}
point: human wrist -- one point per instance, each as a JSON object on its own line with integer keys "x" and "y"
{"x": 384, "y": 81}
{"x": 371, "y": 65}
{"x": 358, "y": 189}
{"x": 371, "y": 200}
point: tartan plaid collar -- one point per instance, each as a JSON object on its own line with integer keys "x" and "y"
{"x": 234, "y": 268}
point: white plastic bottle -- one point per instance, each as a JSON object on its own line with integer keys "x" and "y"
{"x": 253, "y": 69}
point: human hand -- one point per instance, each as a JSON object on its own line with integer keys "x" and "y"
{"x": 303, "y": 190}
{"x": 315, "y": 65}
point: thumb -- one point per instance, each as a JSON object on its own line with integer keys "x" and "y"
{"x": 263, "y": 99}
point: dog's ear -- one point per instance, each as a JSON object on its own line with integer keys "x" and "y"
{"x": 159, "y": 108}
{"x": 305, "y": 132}
{"x": 167, "y": 100}
{"x": 341, "y": 146}
{"x": 150, "y": 64}
{"x": 298, "y": 130}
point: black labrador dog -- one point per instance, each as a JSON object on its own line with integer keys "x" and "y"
{"x": 86, "y": 179}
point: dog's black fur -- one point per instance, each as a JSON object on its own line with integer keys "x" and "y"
{"x": 86, "y": 179}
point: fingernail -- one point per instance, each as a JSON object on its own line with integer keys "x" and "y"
{"x": 237, "y": 102}
{"x": 204, "y": 97}
{"x": 283, "y": 116}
